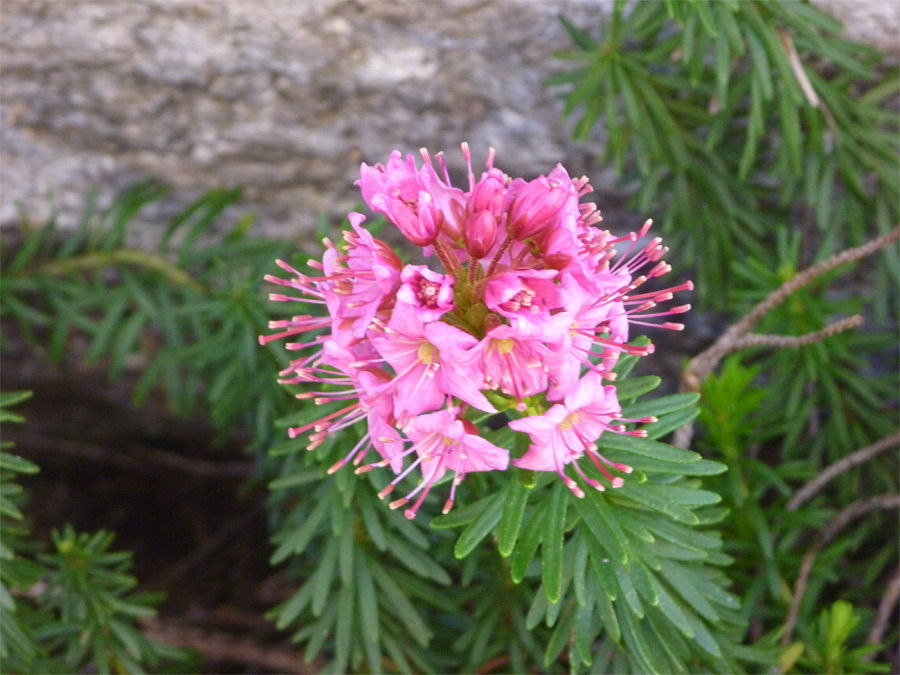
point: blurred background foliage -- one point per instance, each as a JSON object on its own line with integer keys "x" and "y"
{"x": 766, "y": 143}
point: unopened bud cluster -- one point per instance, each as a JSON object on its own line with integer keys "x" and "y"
{"x": 525, "y": 313}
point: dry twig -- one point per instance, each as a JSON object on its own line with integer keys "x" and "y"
{"x": 885, "y": 608}
{"x": 844, "y": 517}
{"x": 863, "y": 455}
{"x": 222, "y": 647}
{"x": 738, "y": 334}
{"x": 757, "y": 340}
{"x": 803, "y": 80}
{"x": 139, "y": 459}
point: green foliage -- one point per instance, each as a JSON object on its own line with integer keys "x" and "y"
{"x": 190, "y": 309}
{"x": 70, "y": 608}
{"x": 828, "y": 651}
{"x": 88, "y": 592}
{"x": 368, "y": 578}
{"x": 837, "y": 375}
{"x": 16, "y": 571}
{"x": 630, "y": 569}
{"x": 734, "y": 120}
{"x": 767, "y": 542}
{"x": 633, "y": 579}
{"x": 769, "y": 143}
{"x": 711, "y": 123}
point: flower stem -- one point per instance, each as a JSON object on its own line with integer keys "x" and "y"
{"x": 126, "y": 256}
{"x": 500, "y": 251}
{"x": 448, "y": 259}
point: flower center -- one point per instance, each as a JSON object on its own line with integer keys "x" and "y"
{"x": 427, "y": 292}
{"x": 505, "y": 346}
{"x": 426, "y": 353}
{"x": 569, "y": 422}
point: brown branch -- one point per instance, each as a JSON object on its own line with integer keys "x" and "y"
{"x": 757, "y": 340}
{"x": 700, "y": 367}
{"x": 800, "y": 75}
{"x": 844, "y": 517}
{"x": 885, "y": 608}
{"x": 222, "y": 647}
{"x": 137, "y": 459}
{"x": 863, "y": 455}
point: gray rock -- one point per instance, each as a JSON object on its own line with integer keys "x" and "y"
{"x": 283, "y": 97}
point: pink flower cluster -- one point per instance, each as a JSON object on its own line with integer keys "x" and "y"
{"x": 526, "y": 318}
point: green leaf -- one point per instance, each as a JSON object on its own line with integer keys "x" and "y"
{"x": 702, "y": 467}
{"x": 647, "y": 448}
{"x": 584, "y": 634}
{"x": 479, "y": 528}
{"x": 106, "y": 333}
{"x": 672, "y": 610}
{"x": 597, "y": 516}
{"x": 607, "y": 614}
{"x": 536, "y": 611}
{"x": 669, "y": 423}
{"x": 660, "y": 406}
{"x": 650, "y": 496}
{"x": 461, "y": 515}
{"x": 372, "y": 524}
{"x": 560, "y": 635}
{"x": 636, "y": 386}
{"x": 17, "y": 464}
{"x": 552, "y": 547}
{"x": 418, "y": 562}
{"x": 515, "y": 499}
{"x": 648, "y": 659}
{"x": 342, "y": 633}
{"x": 297, "y": 540}
{"x": 345, "y": 557}
{"x": 629, "y": 592}
{"x": 403, "y": 608}
{"x": 8, "y": 399}
{"x": 323, "y": 576}
{"x": 684, "y": 584}
{"x": 790, "y": 128}
{"x": 286, "y": 612}
{"x": 723, "y": 64}
{"x": 528, "y": 545}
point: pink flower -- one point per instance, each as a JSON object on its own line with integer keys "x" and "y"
{"x": 480, "y": 234}
{"x": 526, "y": 298}
{"x": 541, "y": 204}
{"x": 360, "y": 281}
{"x": 430, "y": 363}
{"x": 442, "y": 442}
{"x": 513, "y": 362}
{"x": 429, "y": 294}
{"x": 412, "y": 199}
{"x": 567, "y": 431}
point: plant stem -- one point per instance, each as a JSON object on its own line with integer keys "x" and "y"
{"x": 123, "y": 256}
{"x": 496, "y": 259}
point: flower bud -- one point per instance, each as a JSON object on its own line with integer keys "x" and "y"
{"x": 536, "y": 207}
{"x": 480, "y": 234}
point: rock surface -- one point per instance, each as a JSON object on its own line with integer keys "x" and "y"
{"x": 285, "y": 98}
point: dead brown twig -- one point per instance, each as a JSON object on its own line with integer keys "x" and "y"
{"x": 860, "y": 456}
{"x": 885, "y": 608}
{"x": 738, "y": 335}
{"x": 139, "y": 459}
{"x": 844, "y": 517}
{"x": 224, "y": 647}
{"x": 787, "y": 43}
